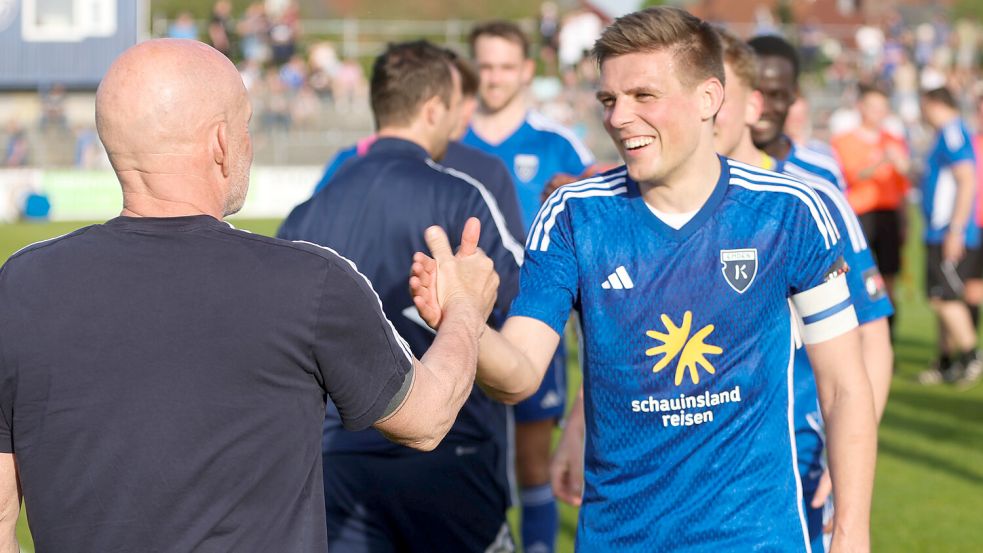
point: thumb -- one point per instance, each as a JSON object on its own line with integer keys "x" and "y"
{"x": 436, "y": 240}
{"x": 470, "y": 236}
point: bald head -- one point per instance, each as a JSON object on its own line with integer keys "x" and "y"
{"x": 173, "y": 115}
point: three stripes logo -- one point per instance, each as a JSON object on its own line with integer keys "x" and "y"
{"x": 618, "y": 280}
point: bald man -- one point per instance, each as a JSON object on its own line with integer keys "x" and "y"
{"x": 163, "y": 375}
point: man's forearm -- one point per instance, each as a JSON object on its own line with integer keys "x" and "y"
{"x": 511, "y": 363}
{"x": 442, "y": 382}
{"x": 504, "y": 372}
{"x": 851, "y": 433}
{"x": 10, "y": 499}
{"x": 852, "y": 448}
{"x": 965, "y": 188}
{"x": 878, "y": 360}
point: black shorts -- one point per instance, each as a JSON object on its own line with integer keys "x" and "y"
{"x": 945, "y": 281}
{"x": 883, "y": 232}
{"x": 449, "y": 499}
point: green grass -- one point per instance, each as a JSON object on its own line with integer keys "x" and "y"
{"x": 929, "y": 488}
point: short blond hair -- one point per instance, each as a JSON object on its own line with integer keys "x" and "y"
{"x": 740, "y": 57}
{"x": 691, "y": 40}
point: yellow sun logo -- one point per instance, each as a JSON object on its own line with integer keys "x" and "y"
{"x": 677, "y": 339}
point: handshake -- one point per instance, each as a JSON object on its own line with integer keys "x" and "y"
{"x": 447, "y": 284}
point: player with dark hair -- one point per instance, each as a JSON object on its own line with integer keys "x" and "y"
{"x": 535, "y": 150}
{"x": 778, "y": 82}
{"x": 467, "y": 159}
{"x": 681, "y": 265}
{"x": 379, "y": 496}
{"x": 952, "y": 238}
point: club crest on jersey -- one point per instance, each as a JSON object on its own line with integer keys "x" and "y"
{"x": 525, "y": 166}
{"x": 739, "y": 267}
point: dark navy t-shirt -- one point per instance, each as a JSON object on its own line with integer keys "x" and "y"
{"x": 163, "y": 381}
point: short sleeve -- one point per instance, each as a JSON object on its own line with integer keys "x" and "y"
{"x": 867, "y": 291}
{"x": 958, "y": 146}
{"x": 333, "y": 166}
{"x": 577, "y": 158}
{"x": 362, "y": 360}
{"x": 816, "y": 272}
{"x": 549, "y": 276}
{"x": 6, "y": 403}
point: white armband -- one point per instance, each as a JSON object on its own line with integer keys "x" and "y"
{"x": 826, "y": 311}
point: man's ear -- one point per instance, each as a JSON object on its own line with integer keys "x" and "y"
{"x": 528, "y": 71}
{"x": 432, "y": 110}
{"x": 220, "y": 148}
{"x": 755, "y": 105}
{"x": 711, "y": 97}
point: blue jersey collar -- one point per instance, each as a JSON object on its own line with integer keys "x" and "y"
{"x": 705, "y": 212}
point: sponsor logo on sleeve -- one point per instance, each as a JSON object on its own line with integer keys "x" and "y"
{"x": 874, "y": 283}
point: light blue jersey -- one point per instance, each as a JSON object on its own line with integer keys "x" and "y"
{"x": 953, "y": 145}
{"x": 538, "y": 150}
{"x": 688, "y": 349}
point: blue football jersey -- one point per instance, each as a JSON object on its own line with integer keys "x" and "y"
{"x": 534, "y": 153}
{"x": 688, "y": 349}
{"x": 817, "y": 159}
{"x": 870, "y": 301}
{"x": 953, "y": 145}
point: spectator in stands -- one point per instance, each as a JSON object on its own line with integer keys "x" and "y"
{"x": 221, "y": 31}
{"x": 17, "y": 152}
{"x": 284, "y": 33}
{"x": 183, "y": 27}
{"x": 322, "y": 59}
{"x": 53, "y": 108}
{"x": 875, "y": 165}
{"x": 254, "y": 28}
{"x": 349, "y": 87}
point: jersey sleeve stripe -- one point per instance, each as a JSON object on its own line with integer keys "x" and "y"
{"x": 828, "y": 239}
{"x": 953, "y": 136}
{"x": 823, "y": 161}
{"x": 789, "y": 180}
{"x": 809, "y": 179}
{"x": 511, "y": 244}
{"x": 546, "y": 213}
{"x": 392, "y": 330}
{"x": 551, "y": 222}
{"x": 558, "y": 195}
{"x": 853, "y": 228}
{"x": 540, "y": 122}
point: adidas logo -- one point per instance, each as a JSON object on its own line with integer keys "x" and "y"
{"x": 550, "y": 399}
{"x": 618, "y": 280}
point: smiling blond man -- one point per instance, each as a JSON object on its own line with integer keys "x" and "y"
{"x": 681, "y": 264}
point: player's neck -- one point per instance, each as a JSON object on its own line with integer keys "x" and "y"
{"x": 686, "y": 189}
{"x": 495, "y": 127}
{"x": 410, "y": 134}
{"x": 746, "y": 152}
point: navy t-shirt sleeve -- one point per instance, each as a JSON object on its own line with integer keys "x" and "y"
{"x": 6, "y": 405}
{"x": 362, "y": 360}
{"x": 508, "y": 200}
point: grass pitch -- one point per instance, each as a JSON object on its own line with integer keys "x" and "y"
{"x": 928, "y": 493}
